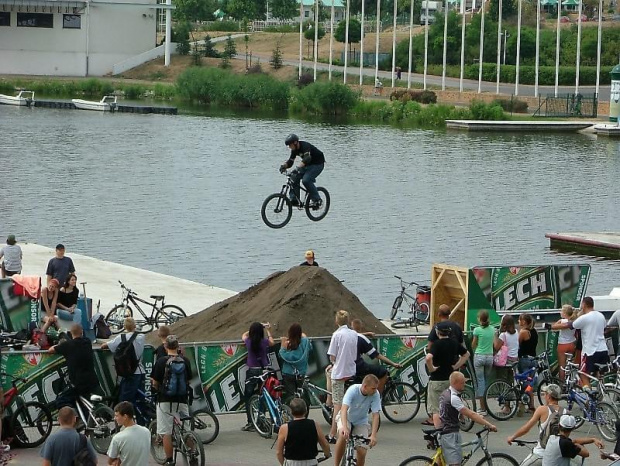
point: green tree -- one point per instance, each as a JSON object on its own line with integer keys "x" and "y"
{"x": 283, "y": 9}
{"x": 209, "y": 49}
{"x": 180, "y": 35}
{"x": 230, "y": 49}
{"x": 355, "y": 31}
{"x": 276, "y": 56}
{"x": 509, "y": 9}
{"x": 309, "y": 33}
{"x": 248, "y": 10}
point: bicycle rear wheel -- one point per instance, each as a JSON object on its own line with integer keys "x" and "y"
{"x": 30, "y": 424}
{"x": 498, "y": 459}
{"x": 102, "y": 427}
{"x": 261, "y": 417}
{"x": 192, "y": 449}
{"x": 276, "y": 211}
{"x": 116, "y": 318}
{"x": 422, "y": 312}
{"x": 396, "y": 306}
{"x": 206, "y": 425}
{"x": 469, "y": 398}
{"x": 405, "y": 323}
{"x": 501, "y": 400}
{"x": 417, "y": 461}
{"x": 157, "y": 444}
{"x": 168, "y": 315}
{"x": 606, "y": 417}
{"x": 318, "y": 213}
{"x": 400, "y": 402}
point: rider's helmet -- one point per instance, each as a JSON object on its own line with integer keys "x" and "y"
{"x": 290, "y": 139}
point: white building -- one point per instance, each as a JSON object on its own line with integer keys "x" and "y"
{"x": 74, "y": 38}
{"x": 339, "y": 9}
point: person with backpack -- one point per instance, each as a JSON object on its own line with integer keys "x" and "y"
{"x": 66, "y": 446}
{"x": 128, "y": 348}
{"x": 548, "y": 418}
{"x": 170, "y": 379}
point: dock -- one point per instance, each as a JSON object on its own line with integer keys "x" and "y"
{"x": 609, "y": 130}
{"x": 102, "y": 281}
{"x": 606, "y": 244}
{"x": 519, "y": 126}
{"x": 120, "y": 108}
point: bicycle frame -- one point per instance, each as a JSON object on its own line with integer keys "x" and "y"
{"x": 134, "y": 299}
{"x": 289, "y": 186}
{"x": 82, "y": 404}
{"x": 272, "y": 406}
{"x": 477, "y": 444}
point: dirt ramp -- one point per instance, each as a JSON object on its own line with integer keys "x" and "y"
{"x": 308, "y": 295}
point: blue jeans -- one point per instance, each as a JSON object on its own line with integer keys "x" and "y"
{"x": 483, "y": 365}
{"x": 308, "y": 176}
{"x": 128, "y": 387}
{"x": 76, "y": 316}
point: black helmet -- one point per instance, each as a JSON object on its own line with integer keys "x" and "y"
{"x": 290, "y": 139}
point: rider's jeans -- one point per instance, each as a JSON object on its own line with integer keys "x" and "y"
{"x": 129, "y": 387}
{"x": 308, "y": 175}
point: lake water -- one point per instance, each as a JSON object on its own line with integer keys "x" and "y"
{"x": 181, "y": 195}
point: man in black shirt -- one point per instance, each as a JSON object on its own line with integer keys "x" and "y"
{"x": 80, "y": 366}
{"x": 444, "y": 357}
{"x": 311, "y": 166}
{"x": 456, "y": 333}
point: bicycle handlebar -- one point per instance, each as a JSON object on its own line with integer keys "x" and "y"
{"x": 525, "y": 443}
{"x": 263, "y": 377}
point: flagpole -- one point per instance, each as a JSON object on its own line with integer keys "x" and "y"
{"x": 425, "y": 44}
{"x": 499, "y": 46}
{"x": 346, "y": 40}
{"x": 301, "y": 34}
{"x": 377, "y": 41}
{"x": 394, "y": 43}
{"x": 462, "y": 45}
{"x": 578, "y": 49}
{"x": 598, "y": 45}
{"x": 557, "y": 48}
{"x": 362, "y": 46}
{"x": 410, "y": 46}
{"x": 331, "y": 40}
{"x": 481, "y": 56}
{"x": 316, "y": 34}
{"x": 445, "y": 47}
{"x": 520, "y": 8}
{"x": 537, "y": 48}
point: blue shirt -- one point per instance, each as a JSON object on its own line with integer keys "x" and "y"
{"x": 297, "y": 358}
{"x": 359, "y": 404}
{"x": 62, "y": 446}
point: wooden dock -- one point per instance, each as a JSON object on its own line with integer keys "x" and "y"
{"x": 120, "y": 108}
{"x": 606, "y": 244}
{"x": 519, "y": 126}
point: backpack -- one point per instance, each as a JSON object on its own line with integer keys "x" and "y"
{"x": 273, "y": 386}
{"x": 175, "y": 377}
{"x": 40, "y": 339}
{"x": 83, "y": 456}
{"x": 102, "y": 330}
{"x": 552, "y": 427}
{"x": 125, "y": 359}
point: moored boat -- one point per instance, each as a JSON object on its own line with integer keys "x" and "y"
{"x": 106, "y": 104}
{"x": 23, "y": 98}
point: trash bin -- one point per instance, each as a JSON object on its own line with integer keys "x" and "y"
{"x": 614, "y": 98}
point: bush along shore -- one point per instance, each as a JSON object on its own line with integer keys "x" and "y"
{"x": 223, "y": 88}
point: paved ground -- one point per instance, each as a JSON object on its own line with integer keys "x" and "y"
{"x": 396, "y": 442}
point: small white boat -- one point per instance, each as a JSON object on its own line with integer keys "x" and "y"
{"x": 106, "y": 104}
{"x": 24, "y": 98}
{"x": 607, "y": 129}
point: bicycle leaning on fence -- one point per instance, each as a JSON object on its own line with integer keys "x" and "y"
{"x": 267, "y": 411}
{"x": 313, "y": 395}
{"x": 184, "y": 441}
{"x": 161, "y": 314}
{"x": 419, "y": 310}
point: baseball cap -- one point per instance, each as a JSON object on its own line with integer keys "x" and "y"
{"x": 443, "y": 328}
{"x": 553, "y": 390}
{"x": 568, "y": 422}
{"x": 309, "y": 253}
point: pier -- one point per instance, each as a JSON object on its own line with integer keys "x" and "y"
{"x": 121, "y": 108}
{"x": 606, "y": 244}
{"x": 519, "y": 126}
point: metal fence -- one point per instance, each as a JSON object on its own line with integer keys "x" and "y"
{"x": 570, "y": 105}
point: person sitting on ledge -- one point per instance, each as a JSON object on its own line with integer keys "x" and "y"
{"x": 67, "y": 301}
{"x": 49, "y": 299}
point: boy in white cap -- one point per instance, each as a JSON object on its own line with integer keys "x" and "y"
{"x": 561, "y": 449}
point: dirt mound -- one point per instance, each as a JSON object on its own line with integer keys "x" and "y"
{"x": 308, "y": 295}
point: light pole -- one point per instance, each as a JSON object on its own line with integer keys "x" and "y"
{"x": 506, "y": 35}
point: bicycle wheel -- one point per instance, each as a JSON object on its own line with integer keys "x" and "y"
{"x": 206, "y": 425}
{"x": 192, "y": 449}
{"x": 318, "y": 213}
{"x": 543, "y": 384}
{"x": 157, "y": 444}
{"x": 612, "y": 395}
{"x": 416, "y": 461}
{"x": 606, "y": 417}
{"x": 501, "y": 400}
{"x": 422, "y": 312}
{"x": 498, "y": 459}
{"x": 116, "y": 317}
{"x": 328, "y": 413}
{"x": 405, "y": 323}
{"x": 396, "y": 306}
{"x": 168, "y": 315}
{"x": 261, "y": 417}
{"x": 30, "y": 424}
{"x": 102, "y": 427}
{"x": 469, "y": 398}
{"x": 400, "y": 402}
{"x": 276, "y": 211}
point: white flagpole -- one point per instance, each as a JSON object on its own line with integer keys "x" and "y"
{"x": 481, "y": 56}
{"x": 394, "y": 43}
{"x": 445, "y": 47}
{"x": 331, "y": 40}
{"x": 520, "y": 8}
{"x": 578, "y": 49}
{"x": 462, "y": 45}
{"x": 346, "y": 40}
{"x": 377, "y": 41}
{"x": 537, "y": 48}
{"x": 499, "y": 46}
{"x": 598, "y": 46}
{"x": 410, "y": 46}
{"x": 362, "y": 46}
{"x": 425, "y": 44}
{"x": 557, "y": 48}
{"x": 316, "y": 34}
{"x": 301, "y": 34}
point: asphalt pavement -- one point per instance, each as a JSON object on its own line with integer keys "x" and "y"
{"x": 396, "y": 442}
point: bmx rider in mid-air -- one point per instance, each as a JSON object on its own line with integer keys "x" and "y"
{"x": 311, "y": 166}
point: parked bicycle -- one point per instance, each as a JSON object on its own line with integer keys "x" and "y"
{"x": 31, "y": 421}
{"x": 480, "y": 443}
{"x": 314, "y": 395}
{"x": 277, "y": 209}
{"x": 267, "y": 411}
{"x": 205, "y": 424}
{"x": 161, "y": 313}
{"x": 144, "y": 407}
{"x": 400, "y": 401}
{"x": 419, "y": 310}
{"x": 350, "y": 454}
{"x": 184, "y": 441}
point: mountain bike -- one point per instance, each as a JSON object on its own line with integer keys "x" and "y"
{"x": 490, "y": 459}
{"x": 419, "y": 310}
{"x": 267, "y": 411}
{"x": 161, "y": 314}
{"x": 314, "y": 395}
{"x": 184, "y": 441}
{"x": 400, "y": 401}
{"x": 277, "y": 209}
{"x": 31, "y": 421}
{"x": 205, "y": 425}
{"x": 350, "y": 454}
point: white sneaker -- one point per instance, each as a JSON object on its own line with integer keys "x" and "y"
{"x": 4, "y": 448}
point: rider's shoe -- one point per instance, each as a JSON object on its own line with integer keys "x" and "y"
{"x": 315, "y": 205}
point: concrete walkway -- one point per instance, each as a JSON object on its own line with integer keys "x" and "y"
{"x": 102, "y": 281}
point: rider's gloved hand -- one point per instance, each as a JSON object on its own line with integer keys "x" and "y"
{"x": 283, "y": 168}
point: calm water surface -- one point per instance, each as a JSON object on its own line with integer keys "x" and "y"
{"x": 182, "y": 195}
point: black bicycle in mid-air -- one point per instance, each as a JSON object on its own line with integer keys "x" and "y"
{"x": 277, "y": 209}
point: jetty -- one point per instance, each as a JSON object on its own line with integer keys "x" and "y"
{"x": 606, "y": 244}
{"x": 102, "y": 281}
{"x": 607, "y": 129}
{"x": 120, "y": 108}
{"x": 519, "y": 126}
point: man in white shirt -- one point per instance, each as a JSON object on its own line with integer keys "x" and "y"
{"x": 132, "y": 445}
{"x": 592, "y": 325}
{"x": 342, "y": 353}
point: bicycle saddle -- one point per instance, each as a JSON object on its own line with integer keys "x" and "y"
{"x": 158, "y": 297}
{"x": 432, "y": 431}
{"x": 96, "y": 398}
{"x": 602, "y": 367}
{"x": 185, "y": 418}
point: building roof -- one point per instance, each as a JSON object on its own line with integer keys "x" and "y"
{"x": 326, "y": 3}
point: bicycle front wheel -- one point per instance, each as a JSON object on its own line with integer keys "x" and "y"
{"x": 400, "y": 402}
{"x": 405, "y": 323}
{"x": 276, "y": 211}
{"x": 206, "y": 425}
{"x": 319, "y": 212}
{"x": 417, "y": 461}
{"x": 168, "y": 315}
{"x": 501, "y": 400}
{"x": 261, "y": 418}
{"x": 469, "y": 398}
{"x": 157, "y": 444}
{"x": 30, "y": 424}
{"x": 498, "y": 459}
{"x": 606, "y": 417}
{"x": 192, "y": 449}
{"x": 396, "y": 306}
{"x": 102, "y": 427}
{"x": 116, "y": 318}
